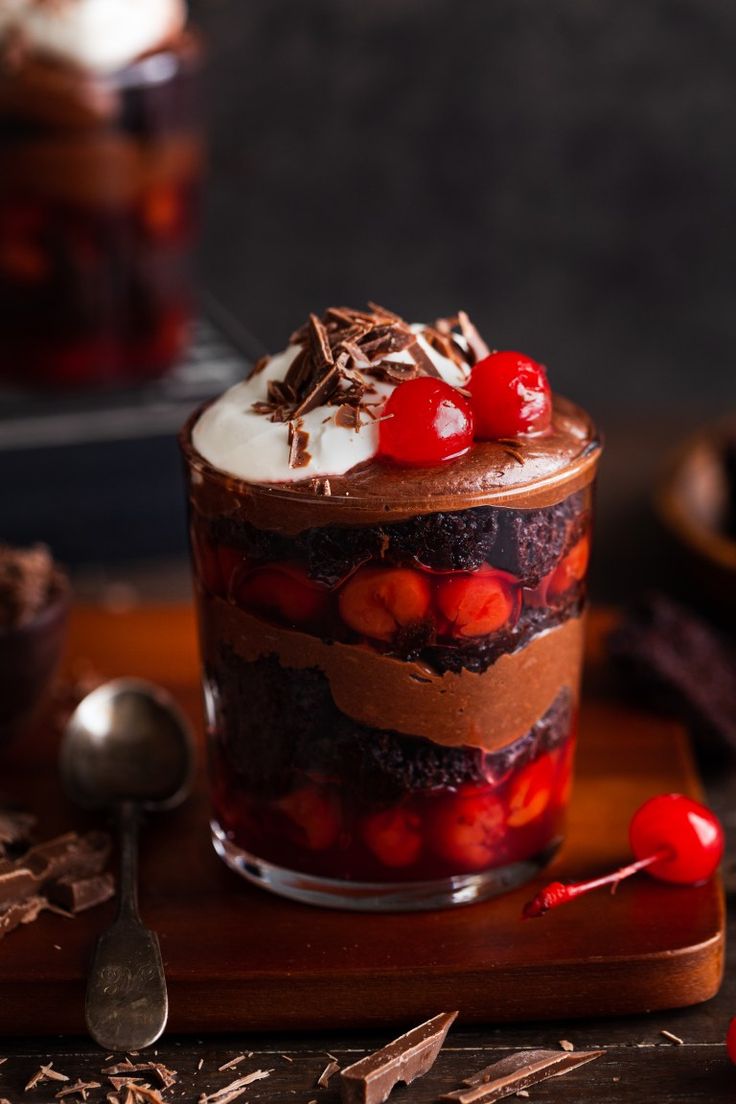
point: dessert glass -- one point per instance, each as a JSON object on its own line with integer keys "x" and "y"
{"x": 99, "y": 187}
{"x": 361, "y": 765}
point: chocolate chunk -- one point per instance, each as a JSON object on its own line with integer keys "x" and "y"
{"x": 298, "y": 441}
{"x": 16, "y": 881}
{"x": 678, "y": 664}
{"x": 77, "y": 894}
{"x": 70, "y": 854}
{"x": 370, "y": 1080}
{"x": 517, "y": 1072}
{"x": 15, "y": 913}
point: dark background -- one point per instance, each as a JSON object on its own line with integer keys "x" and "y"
{"x": 565, "y": 171}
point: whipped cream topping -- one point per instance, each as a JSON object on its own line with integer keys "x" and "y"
{"x": 100, "y": 35}
{"x": 234, "y": 438}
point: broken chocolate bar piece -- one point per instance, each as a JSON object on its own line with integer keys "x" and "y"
{"x": 77, "y": 894}
{"x": 69, "y": 855}
{"x": 678, "y": 664}
{"x": 516, "y": 1073}
{"x": 15, "y": 913}
{"x": 370, "y": 1080}
{"x": 16, "y": 881}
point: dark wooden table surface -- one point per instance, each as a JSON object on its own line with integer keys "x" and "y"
{"x": 640, "y": 1062}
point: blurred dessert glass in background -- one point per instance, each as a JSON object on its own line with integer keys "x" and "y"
{"x": 100, "y": 170}
{"x": 34, "y": 608}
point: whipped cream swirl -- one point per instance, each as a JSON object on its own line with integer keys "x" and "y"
{"x": 99, "y": 35}
{"x": 237, "y": 439}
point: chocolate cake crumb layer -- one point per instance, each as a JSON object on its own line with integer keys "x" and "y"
{"x": 526, "y": 543}
{"x": 273, "y": 722}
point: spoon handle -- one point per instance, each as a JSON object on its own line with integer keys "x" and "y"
{"x": 128, "y": 839}
{"x": 127, "y": 1003}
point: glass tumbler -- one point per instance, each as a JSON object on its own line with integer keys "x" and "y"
{"x": 99, "y": 192}
{"x": 391, "y": 691}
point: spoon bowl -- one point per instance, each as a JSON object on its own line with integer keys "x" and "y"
{"x": 127, "y": 741}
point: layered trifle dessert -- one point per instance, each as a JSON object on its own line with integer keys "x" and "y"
{"x": 390, "y": 527}
{"x": 100, "y": 164}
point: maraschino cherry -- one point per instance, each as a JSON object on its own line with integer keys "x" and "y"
{"x": 731, "y": 1040}
{"x": 673, "y": 838}
{"x": 511, "y": 395}
{"x": 425, "y": 421}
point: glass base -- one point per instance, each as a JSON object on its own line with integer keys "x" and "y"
{"x": 312, "y": 889}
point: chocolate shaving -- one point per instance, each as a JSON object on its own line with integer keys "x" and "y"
{"x": 166, "y": 1076}
{"x": 475, "y": 342}
{"x": 321, "y": 393}
{"x": 516, "y": 1073}
{"x": 348, "y": 417}
{"x": 234, "y": 1089}
{"x": 45, "y": 1073}
{"x": 321, "y": 487}
{"x": 339, "y": 352}
{"x": 320, "y": 342}
{"x": 298, "y": 441}
{"x": 79, "y": 1088}
{"x": 370, "y": 1080}
{"x": 329, "y": 1071}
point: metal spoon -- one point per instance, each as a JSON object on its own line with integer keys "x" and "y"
{"x": 127, "y": 748}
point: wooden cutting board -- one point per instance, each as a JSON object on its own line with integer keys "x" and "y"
{"x": 238, "y": 958}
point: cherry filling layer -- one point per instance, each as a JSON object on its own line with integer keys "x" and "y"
{"x": 296, "y": 781}
{"x": 299, "y": 784}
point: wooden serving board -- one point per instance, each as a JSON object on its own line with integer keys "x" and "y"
{"x": 238, "y": 958}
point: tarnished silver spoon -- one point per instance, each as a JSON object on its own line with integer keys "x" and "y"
{"x": 127, "y": 748}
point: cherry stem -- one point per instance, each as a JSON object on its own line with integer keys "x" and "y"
{"x": 559, "y": 893}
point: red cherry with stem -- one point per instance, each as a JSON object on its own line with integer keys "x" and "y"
{"x": 731, "y": 1040}
{"x": 674, "y": 838}
{"x": 511, "y": 395}
{"x": 425, "y": 421}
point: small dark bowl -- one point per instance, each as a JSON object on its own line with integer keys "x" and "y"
{"x": 693, "y": 504}
{"x": 29, "y": 656}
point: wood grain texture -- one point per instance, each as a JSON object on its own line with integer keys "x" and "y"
{"x": 240, "y": 959}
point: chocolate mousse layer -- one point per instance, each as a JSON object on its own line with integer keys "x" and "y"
{"x": 523, "y": 474}
{"x": 456, "y": 709}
